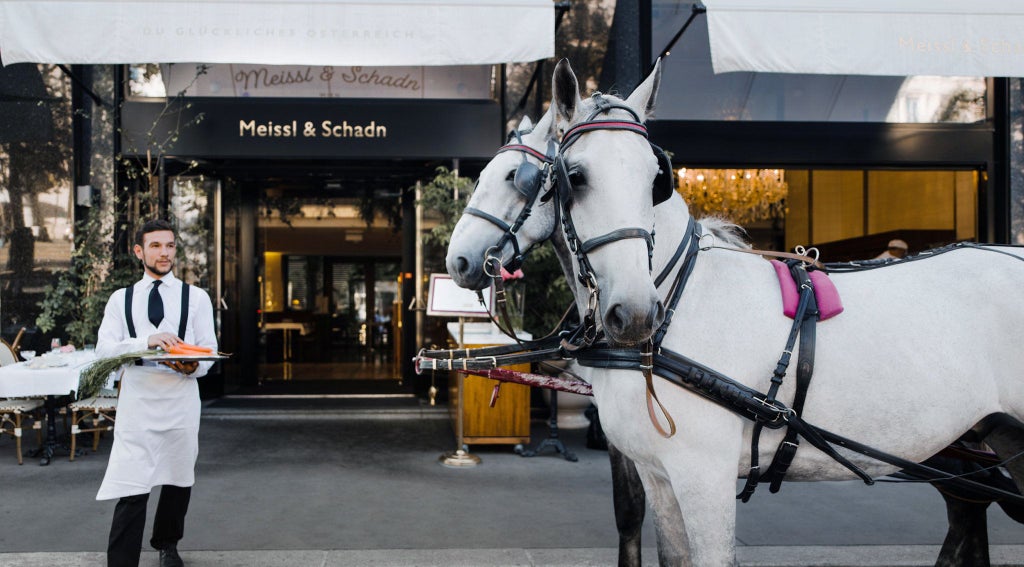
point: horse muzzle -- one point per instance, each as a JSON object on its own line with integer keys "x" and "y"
{"x": 467, "y": 272}
{"x": 633, "y": 322}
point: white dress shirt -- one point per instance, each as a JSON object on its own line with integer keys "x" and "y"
{"x": 156, "y": 433}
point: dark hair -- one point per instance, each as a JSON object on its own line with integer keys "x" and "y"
{"x": 149, "y": 226}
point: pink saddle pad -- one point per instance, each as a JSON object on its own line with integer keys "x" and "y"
{"x": 829, "y": 303}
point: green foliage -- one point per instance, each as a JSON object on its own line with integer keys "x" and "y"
{"x": 93, "y": 377}
{"x": 547, "y": 294}
{"x": 78, "y": 298}
{"x": 446, "y": 195}
{"x": 75, "y": 304}
{"x": 547, "y": 291}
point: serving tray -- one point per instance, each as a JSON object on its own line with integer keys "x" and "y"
{"x": 183, "y": 357}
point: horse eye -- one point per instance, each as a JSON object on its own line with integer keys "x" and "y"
{"x": 511, "y": 176}
{"x": 577, "y": 179}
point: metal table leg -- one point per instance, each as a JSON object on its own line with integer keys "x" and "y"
{"x": 552, "y": 441}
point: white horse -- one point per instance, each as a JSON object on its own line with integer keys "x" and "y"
{"x": 924, "y": 352}
{"x": 471, "y": 232}
{"x": 503, "y": 192}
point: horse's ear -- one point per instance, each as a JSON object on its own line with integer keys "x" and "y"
{"x": 643, "y": 97}
{"x": 525, "y": 124}
{"x": 544, "y": 124}
{"x": 565, "y": 92}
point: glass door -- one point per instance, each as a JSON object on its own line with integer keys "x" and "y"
{"x": 362, "y": 301}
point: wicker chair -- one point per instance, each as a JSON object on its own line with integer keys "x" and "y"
{"x": 13, "y": 411}
{"x": 99, "y": 411}
{"x": 16, "y": 344}
{"x": 7, "y": 354}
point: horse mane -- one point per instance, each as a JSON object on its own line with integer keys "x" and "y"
{"x": 726, "y": 232}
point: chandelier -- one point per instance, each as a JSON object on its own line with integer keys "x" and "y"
{"x": 742, "y": 196}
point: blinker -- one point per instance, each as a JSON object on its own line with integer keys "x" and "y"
{"x": 527, "y": 180}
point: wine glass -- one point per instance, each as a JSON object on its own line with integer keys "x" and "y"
{"x": 28, "y": 355}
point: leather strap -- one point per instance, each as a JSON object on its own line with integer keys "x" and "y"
{"x": 647, "y": 368}
{"x": 620, "y": 234}
{"x": 788, "y": 255}
{"x": 804, "y": 370}
{"x": 504, "y": 226}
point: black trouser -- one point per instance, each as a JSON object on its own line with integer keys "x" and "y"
{"x": 126, "y": 531}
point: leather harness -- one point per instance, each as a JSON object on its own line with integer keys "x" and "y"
{"x": 761, "y": 408}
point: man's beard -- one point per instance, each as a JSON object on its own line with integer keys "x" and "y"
{"x": 152, "y": 268}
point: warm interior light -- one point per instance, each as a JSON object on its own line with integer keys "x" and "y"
{"x": 742, "y": 196}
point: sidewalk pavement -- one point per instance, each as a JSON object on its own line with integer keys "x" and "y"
{"x": 364, "y": 487}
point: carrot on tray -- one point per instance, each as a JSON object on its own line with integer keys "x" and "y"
{"x": 185, "y": 349}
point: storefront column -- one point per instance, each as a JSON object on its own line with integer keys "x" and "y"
{"x": 249, "y": 292}
{"x": 994, "y": 226}
{"x": 1016, "y": 161}
{"x": 409, "y": 346}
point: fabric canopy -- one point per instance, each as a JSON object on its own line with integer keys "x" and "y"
{"x": 277, "y": 32}
{"x": 868, "y": 37}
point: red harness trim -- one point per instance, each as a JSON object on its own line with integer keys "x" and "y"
{"x": 525, "y": 149}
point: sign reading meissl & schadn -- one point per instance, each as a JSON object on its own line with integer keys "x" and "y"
{"x": 311, "y": 128}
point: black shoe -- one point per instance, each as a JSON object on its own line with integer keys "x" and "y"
{"x": 169, "y": 557}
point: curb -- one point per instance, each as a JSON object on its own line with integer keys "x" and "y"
{"x": 748, "y": 556}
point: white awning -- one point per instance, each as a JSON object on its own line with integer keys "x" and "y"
{"x": 277, "y": 32}
{"x": 868, "y": 37}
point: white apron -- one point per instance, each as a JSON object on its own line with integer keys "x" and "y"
{"x": 156, "y": 436}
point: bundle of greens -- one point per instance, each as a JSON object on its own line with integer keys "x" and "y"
{"x": 94, "y": 377}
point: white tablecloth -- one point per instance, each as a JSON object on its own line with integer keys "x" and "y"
{"x": 18, "y": 380}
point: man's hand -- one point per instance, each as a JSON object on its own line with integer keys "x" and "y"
{"x": 183, "y": 366}
{"x": 163, "y": 340}
{"x": 166, "y": 341}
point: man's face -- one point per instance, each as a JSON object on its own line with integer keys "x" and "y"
{"x": 157, "y": 252}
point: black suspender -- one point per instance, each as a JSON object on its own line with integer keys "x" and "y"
{"x": 184, "y": 311}
{"x": 129, "y": 291}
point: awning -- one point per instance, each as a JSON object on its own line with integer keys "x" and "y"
{"x": 277, "y": 32}
{"x": 980, "y": 38}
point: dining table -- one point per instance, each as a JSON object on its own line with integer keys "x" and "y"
{"x": 53, "y": 376}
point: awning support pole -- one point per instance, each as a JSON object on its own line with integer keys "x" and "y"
{"x": 698, "y": 8}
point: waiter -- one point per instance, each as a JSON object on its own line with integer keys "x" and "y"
{"x": 156, "y": 439}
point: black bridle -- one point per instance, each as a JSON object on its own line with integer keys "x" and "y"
{"x": 563, "y": 190}
{"x": 528, "y": 180}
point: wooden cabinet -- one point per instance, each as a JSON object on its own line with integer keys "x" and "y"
{"x": 508, "y": 422}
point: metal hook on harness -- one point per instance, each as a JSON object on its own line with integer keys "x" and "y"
{"x": 705, "y": 247}
{"x": 490, "y": 258}
{"x": 812, "y": 253}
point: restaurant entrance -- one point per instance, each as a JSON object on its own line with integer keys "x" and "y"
{"x": 336, "y": 321}
{"x": 310, "y": 300}
{"x": 328, "y": 261}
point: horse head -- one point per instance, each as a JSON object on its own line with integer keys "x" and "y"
{"x": 504, "y": 217}
{"x": 608, "y": 180}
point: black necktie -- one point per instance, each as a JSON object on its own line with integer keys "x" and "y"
{"x": 156, "y": 304}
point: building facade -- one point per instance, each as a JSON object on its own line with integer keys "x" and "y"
{"x": 294, "y": 187}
